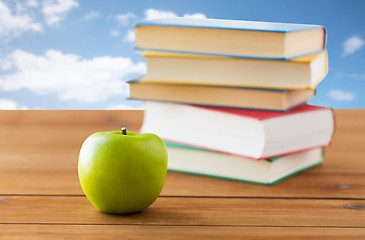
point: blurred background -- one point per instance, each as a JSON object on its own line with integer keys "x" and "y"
{"x": 78, "y": 54}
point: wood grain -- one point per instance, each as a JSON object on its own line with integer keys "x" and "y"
{"x": 189, "y": 211}
{"x": 347, "y": 149}
{"x": 305, "y": 185}
{"x": 97, "y": 232}
{"x": 101, "y": 118}
{"x": 51, "y": 140}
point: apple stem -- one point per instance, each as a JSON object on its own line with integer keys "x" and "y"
{"x": 124, "y": 131}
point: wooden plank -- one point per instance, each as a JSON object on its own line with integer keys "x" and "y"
{"x": 187, "y": 211}
{"x": 97, "y": 232}
{"x": 306, "y": 185}
{"x": 40, "y": 182}
{"x": 68, "y": 129}
{"x": 110, "y": 118}
{"x": 347, "y": 152}
{"x": 42, "y": 159}
{"x": 63, "y": 157}
{"x": 44, "y": 140}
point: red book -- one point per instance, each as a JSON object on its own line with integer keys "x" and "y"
{"x": 260, "y": 115}
{"x": 249, "y": 133}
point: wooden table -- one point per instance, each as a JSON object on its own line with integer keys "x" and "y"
{"x": 40, "y": 196}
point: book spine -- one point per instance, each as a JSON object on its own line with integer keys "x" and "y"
{"x": 225, "y": 55}
{"x": 241, "y": 155}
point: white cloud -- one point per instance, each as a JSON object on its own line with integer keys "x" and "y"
{"x": 125, "y": 107}
{"x": 155, "y": 14}
{"x": 357, "y": 76}
{"x": 150, "y": 14}
{"x": 352, "y": 45}
{"x": 56, "y": 10}
{"x": 7, "y": 104}
{"x": 350, "y": 75}
{"x": 13, "y": 25}
{"x": 125, "y": 18}
{"x": 69, "y": 76}
{"x": 91, "y": 15}
{"x": 31, "y": 3}
{"x": 196, "y": 15}
{"x": 114, "y": 33}
{"x": 130, "y": 37}
{"x": 339, "y": 95}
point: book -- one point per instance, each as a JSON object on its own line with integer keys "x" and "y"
{"x": 250, "y": 133}
{"x": 230, "y": 38}
{"x": 299, "y": 73}
{"x": 236, "y": 97}
{"x": 214, "y": 164}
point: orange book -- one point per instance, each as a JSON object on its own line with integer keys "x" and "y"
{"x": 299, "y": 73}
{"x": 236, "y": 97}
{"x": 232, "y": 38}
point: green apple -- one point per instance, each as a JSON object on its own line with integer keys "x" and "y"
{"x": 122, "y": 172}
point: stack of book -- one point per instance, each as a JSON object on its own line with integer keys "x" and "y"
{"x": 229, "y": 97}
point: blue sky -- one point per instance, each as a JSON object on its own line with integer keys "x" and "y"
{"x": 77, "y": 54}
